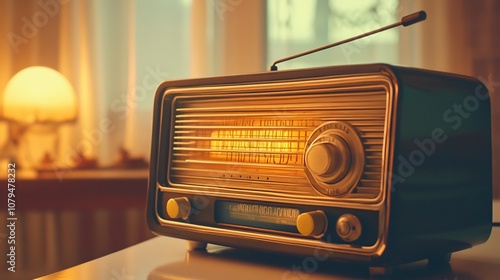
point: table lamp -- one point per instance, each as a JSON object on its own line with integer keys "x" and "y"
{"x": 37, "y": 95}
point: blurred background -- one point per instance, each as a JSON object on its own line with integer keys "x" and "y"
{"x": 80, "y": 134}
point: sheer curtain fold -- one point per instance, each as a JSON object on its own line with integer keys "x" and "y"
{"x": 227, "y": 37}
{"x": 94, "y": 55}
{"x": 458, "y": 36}
{"x": 75, "y": 62}
{"x": 441, "y": 42}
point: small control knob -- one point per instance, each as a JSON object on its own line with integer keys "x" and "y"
{"x": 178, "y": 208}
{"x": 348, "y": 227}
{"x": 312, "y": 223}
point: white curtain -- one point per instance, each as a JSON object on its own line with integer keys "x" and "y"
{"x": 115, "y": 54}
{"x": 228, "y": 37}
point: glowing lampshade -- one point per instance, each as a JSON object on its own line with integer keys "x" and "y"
{"x": 39, "y": 95}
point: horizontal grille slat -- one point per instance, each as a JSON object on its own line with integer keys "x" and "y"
{"x": 239, "y": 151}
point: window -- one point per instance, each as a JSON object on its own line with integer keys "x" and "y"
{"x": 295, "y": 26}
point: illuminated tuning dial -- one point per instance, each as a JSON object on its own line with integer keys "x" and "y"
{"x": 178, "y": 208}
{"x": 348, "y": 227}
{"x": 312, "y": 223}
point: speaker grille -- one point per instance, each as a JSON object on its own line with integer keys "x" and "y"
{"x": 253, "y": 138}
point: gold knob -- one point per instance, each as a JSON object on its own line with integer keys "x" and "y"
{"x": 312, "y": 223}
{"x": 179, "y": 207}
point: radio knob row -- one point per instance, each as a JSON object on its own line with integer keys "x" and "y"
{"x": 312, "y": 223}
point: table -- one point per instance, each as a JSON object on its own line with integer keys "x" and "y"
{"x": 68, "y": 218}
{"x": 167, "y": 258}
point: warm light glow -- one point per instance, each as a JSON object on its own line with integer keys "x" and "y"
{"x": 259, "y": 146}
{"x": 39, "y": 94}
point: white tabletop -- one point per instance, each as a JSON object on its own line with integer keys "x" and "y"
{"x": 167, "y": 258}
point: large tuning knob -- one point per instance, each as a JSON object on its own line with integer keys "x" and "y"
{"x": 334, "y": 158}
{"x": 329, "y": 161}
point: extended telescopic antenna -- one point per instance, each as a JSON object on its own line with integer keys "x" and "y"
{"x": 405, "y": 21}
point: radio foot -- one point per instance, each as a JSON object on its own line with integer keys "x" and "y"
{"x": 196, "y": 245}
{"x": 380, "y": 270}
{"x": 439, "y": 259}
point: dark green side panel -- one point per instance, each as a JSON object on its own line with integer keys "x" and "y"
{"x": 441, "y": 191}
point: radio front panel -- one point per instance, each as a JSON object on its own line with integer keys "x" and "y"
{"x": 273, "y": 221}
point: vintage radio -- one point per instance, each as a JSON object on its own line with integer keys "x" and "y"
{"x": 365, "y": 163}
